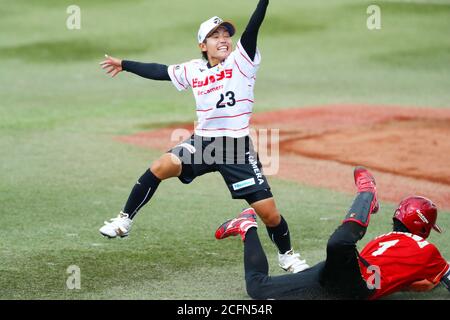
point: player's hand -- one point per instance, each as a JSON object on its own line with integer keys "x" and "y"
{"x": 113, "y": 65}
{"x": 422, "y": 286}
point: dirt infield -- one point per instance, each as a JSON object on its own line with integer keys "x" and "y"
{"x": 408, "y": 149}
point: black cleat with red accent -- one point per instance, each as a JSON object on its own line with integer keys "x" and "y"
{"x": 237, "y": 226}
{"x": 365, "y": 182}
{"x": 366, "y": 202}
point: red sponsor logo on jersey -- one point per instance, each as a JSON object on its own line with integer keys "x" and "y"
{"x": 213, "y": 89}
{"x": 224, "y": 74}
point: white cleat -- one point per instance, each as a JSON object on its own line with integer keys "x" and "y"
{"x": 119, "y": 226}
{"x": 291, "y": 262}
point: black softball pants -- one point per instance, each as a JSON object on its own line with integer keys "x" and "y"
{"x": 338, "y": 277}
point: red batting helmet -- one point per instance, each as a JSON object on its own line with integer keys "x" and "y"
{"x": 418, "y": 214}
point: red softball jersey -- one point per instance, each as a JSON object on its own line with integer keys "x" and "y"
{"x": 399, "y": 259}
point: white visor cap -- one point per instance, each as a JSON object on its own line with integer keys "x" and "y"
{"x": 212, "y": 24}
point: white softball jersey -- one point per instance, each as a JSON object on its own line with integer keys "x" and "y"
{"x": 223, "y": 94}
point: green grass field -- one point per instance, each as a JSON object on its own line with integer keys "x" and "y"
{"x": 62, "y": 174}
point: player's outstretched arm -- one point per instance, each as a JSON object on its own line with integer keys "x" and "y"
{"x": 153, "y": 71}
{"x": 250, "y": 35}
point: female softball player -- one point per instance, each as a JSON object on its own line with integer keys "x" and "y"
{"x": 223, "y": 84}
{"x": 396, "y": 261}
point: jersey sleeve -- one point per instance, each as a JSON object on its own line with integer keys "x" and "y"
{"x": 246, "y": 66}
{"x": 437, "y": 266}
{"x": 179, "y": 76}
